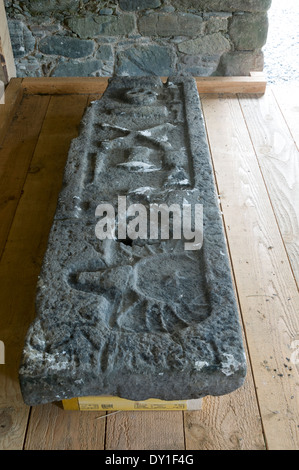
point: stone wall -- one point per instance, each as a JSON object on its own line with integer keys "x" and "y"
{"x": 137, "y": 37}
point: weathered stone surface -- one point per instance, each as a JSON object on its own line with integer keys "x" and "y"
{"x": 223, "y": 5}
{"x": 145, "y": 60}
{"x": 77, "y": 69}
{"x": 216, "y": 22}
{"x": 52, "y": 6}
{"x": 29, "y": 67}
{"x": 145, "y": 319}
{"x": 105, "y": 53}
{"x": 135, "y": 5}
{"x": 240, "y": 63}
{"x": 249, "y": 31}
{"x": 22, "y": 39}
{"x": 92, "y": 26}
{"x": 180, "y": 24}
{"x": 211, "y": 44}
{"x": 199, "y": 65}
{"x": 66, "y": 46}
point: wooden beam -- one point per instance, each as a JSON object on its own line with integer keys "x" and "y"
{"x": 87, "y": 85}
{"x": 253, "y": 84}
{"x": 12, "y": 98}
{"x": 64, "y": 85}
{"x": 7, "y": 64}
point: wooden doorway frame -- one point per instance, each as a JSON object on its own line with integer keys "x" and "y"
{"x": 7, "y": 63}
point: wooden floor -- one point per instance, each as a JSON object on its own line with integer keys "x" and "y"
{"x": 254, "y": 146}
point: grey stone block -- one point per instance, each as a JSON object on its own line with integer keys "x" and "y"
{"x": 217, "y": 22}
{"x": 141, "y": 60}
{"x": 249, "y": 31}
{"x": 179, "y": 24}
{"x": 92, "y": 26}
{"x": 77, "y": 69}
{"x": 52, "y": 7}
{"x": 23, "y": 41}
{"x": 198, "y": 65}
{"x": 135, "y": 5}
{"x": 66, "y": 46}
{"x": 240, "y": 63}
{"x": 105, "y": 53}
{"x": 28, "y": 67}
{"x": 139, "y": 318}
{"x": 223, "y": 5}
{"x": 210, "y": 44}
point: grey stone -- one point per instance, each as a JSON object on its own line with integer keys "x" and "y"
{"x": 77, "y": 69}
{"x": 216, "y": 23}
{"x": 22, "y": 39}
{"x": 92, "y": 26}
{"x": 167, "y": 9}
{"x": 135, "y": 5}
{"x": 159, "y": 24}
{"x": 199, "y": 65}
{"x": 106, "y": 11}
{"x": 46, "y": 28}
{"x": 28, "y": 67}
{"x": 210, "y": 44}
{"x": 52, "y": 6}
{"x": 249, "y": 31}
{"x": 66, "y": 46}
{"x": 105, "y": 53}
{"x": 145, "y": 60}
{"x": 240, "y": 63}
{"x": 223, "y": 5}
{"x": 145, "y": 319}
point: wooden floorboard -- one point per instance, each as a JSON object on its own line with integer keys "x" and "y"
{"x": 264, "y": 412}
{"x": 278, "y": 158}
{"x": 287, "y": 98}
{"x": 52, "y": 428}
{"x": 224, "y": 423}
{"x": 145, "y": 430}
{"x": 15, "y": 157}
{"x": 266, "y": 287}
{"x": 230, "y": 422}
{"x": 24, "y": 252}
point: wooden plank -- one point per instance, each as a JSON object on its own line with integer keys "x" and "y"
{"x": 23, "y": 254}
{"x": 278, "y": 158}
{"x": 287, "y": 97}
{"x": 65, "y": 85}
{"x": 267, "y": 291}
{"x": 145, "y": 430}
{"x": 224, "y": 423}
{"x": 254, "y": 84}
{"x": 15, "y": 157}
{"x": 12, "y": 99}
{"x": 7, "y": 65}
{"x": 79, "y": 85}
{"x": 230, "y": 422}
{"x": 52, "y": 428}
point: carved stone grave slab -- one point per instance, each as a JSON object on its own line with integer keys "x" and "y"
{"x": 135, "y": 318}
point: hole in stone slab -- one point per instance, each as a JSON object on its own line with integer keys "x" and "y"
{"x": 126, "y": 241}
